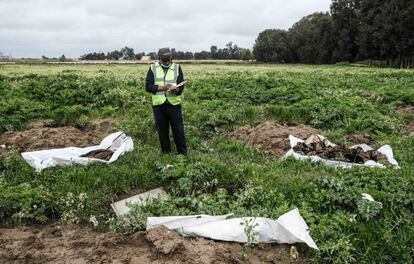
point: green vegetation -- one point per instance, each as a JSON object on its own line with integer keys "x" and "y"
{"x": 372, "y": 32}
{"x": 219, "y": 175}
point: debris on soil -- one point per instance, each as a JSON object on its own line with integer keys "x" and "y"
{"x": 359, "y": 138}
{"x": 409, "y": 113}
{"x": 317, "y": 145}
{"x": 271, "y": 136}
{"x": 103, "y": 154}
{"x": 42, "y": 136}
{"x": 294, "y": 254}
{"x": 74, "y": 244}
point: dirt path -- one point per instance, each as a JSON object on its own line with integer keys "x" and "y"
{"x": 78, "y": 245}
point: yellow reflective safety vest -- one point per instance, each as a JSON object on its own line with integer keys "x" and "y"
{"x": 161, "y": 78}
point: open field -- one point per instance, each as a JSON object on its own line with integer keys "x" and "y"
{"x": 220, "y": 175}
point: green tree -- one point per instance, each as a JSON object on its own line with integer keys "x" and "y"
{"x": 188, "y": 55}
{"x": 153, "y": 55}
{"x": 94, "y": 56}
{"x": 387, "y": 31}
{"x": 246, "y": 54}
{"x": 213, "y": 51}
{"x": 128, "y": 53}
{"x": 62, "y": 58}
{"x": 114, "y": 55}
{"x": 311, "y": 39}
{"x": 345, "y": 17}
{"x": 139, "y": 56}
{"x": 202, "y": 55}
{"x": 272, "y": 46}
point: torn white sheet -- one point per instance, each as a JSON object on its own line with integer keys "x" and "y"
{"x": 121, "y": 207}
{"x": 180, "y": 222}
{"x": 289, "y": 228}
{"x": 386, "y": 150}
{"x": 117, "y": 142}
{"x": 368, "y": 197}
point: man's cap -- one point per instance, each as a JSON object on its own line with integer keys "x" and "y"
{"x": 164, "y": 53}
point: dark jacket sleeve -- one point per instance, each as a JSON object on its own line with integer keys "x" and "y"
{"x": 149, "y": 83}
{"x": 180, "y": 79}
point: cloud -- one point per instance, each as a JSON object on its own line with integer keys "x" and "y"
{"x": 31, "y": 28}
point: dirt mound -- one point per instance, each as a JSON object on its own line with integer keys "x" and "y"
{"x": 271, "y": 136}
{"x": 409, "y": 113}
{"x": 73, "y": 244}
{"x": 359, "y": 138}
{"x": 42, "y": 136}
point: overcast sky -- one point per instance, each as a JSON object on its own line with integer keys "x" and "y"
{"x": 31, "y": 28}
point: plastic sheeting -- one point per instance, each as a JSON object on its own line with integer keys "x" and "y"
{"x": 122, "y": 208}
{"x": 386, "y": 150}
{"x": 117, "y": 142}
{"x": 289, "y": 228}
{"x": 368, "y": 197}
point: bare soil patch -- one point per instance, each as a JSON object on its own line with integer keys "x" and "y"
{"x": 42, "y": 136}
{"x": 271, "y": 136}
{"x": 409, "y": 128}
{"x": 409, "y": 113}
{"x": 74, "y": 244}
{"x": 360, "y": 138}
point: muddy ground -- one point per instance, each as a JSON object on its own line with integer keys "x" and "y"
{"x": 43, "y": 136}
{"x": 272, "y": 137}
{"x": 78, "y": 245}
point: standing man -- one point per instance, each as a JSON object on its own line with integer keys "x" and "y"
{"x": 162, "y": 79}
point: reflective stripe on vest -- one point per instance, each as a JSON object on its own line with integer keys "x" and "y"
{"x": 161, "y": 78}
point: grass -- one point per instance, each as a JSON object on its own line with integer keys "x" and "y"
{"x": 222, "y": 176}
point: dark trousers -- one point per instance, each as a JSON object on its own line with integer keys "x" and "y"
{"x": 166, "y": 115}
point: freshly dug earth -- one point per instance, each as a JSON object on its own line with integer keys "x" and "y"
{"x": 359, "y": 138}
{"x": 41, "y": 136}
{"x": 409, "y": 113}
{"x": 272, "y": 137}
{"x": 74, "y": 244}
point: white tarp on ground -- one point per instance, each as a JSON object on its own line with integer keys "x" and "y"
{"x": 289, "y": 228}
{"x": 117, "y": 142}
{"x": 386, "y": 150}
{"x": 121, "y": 207}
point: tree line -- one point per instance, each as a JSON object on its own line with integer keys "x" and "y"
{"x": 229, "y": 52}
{"x": 380, "y": 31}
{"x": 125, "y": 53}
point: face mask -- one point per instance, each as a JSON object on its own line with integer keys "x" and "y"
{"x": 165, "y": 65}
